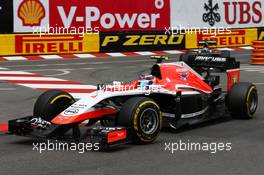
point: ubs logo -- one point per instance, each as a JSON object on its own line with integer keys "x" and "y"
{"x": 211, "y": 16}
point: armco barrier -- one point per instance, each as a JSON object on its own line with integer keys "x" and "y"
{"x": 258, "y": 53}
{"x": 32, "y": 44}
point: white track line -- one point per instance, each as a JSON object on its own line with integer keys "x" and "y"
{"x": 50, "y": 57}
{"x": 31, "y": 78}
{"x": 246, "y": 47}
{"x": 116, "y": 54}
{"x": 15, "y": 72}
{"x": 84, "y": 55}
{"x": 173, "y": 51}
{"x": 59, "y": 86}
{"x": 145, "y": 53}
{"x": 225, "y": 49}
{"x": 15, "y": 58}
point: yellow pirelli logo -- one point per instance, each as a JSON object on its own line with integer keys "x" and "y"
{"x": 232, "y": 38}
{"x": 27, "y": 44}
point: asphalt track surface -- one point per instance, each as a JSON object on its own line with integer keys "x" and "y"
{"x": 246, "y": 136}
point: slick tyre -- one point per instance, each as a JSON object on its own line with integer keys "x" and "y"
{"x": 141, "y": 115}
{"x": 242, "y": 100}
{"x": 51, "y": 103}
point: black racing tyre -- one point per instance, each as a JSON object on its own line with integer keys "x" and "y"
{"x": 143, "y": 116}
{"x": 242, "y": 100}
{"x": 51, "y": 103}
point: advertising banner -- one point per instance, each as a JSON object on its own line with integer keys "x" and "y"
{"x": 217, "y": 13}
{"x": 30, "y": 15}
{"x": 232, "y": 38}
{"x": 28, "y": 44}
{"x": 111, "y": 15}
{"x": 94, "y": 15}
{"x": 140, "y": 41}
{"x": 6, "y": 16}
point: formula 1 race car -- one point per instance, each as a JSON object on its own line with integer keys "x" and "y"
{"x": 174, "y": 94}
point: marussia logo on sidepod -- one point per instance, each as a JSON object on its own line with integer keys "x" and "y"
{"x": 211, "y": 15}
{"x": 31, "y": 12}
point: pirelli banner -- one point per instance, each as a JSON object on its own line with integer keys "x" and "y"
{"x": 228, "y": 38}
{"x": 217, "y": 13}
{"x": 140, "y": 41}
{"x": 95, "y": 15}
{"x": 29, "y": 44}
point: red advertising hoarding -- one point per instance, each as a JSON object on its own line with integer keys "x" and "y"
{"x": 110, "y": 15}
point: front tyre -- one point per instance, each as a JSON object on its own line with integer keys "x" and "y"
{"x": 143, "y": 116}
{"x": 51, "y": 103}
{"x": 242, "y": 100}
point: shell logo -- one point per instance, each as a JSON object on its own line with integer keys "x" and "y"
{"x": 31, "y": 12}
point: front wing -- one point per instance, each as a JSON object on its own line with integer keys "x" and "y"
{"x": 37, "y": 128}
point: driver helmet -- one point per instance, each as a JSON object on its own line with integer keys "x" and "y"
{"x": 146, "y": 80}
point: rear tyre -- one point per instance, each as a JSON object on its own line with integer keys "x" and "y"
{"x": 51, "y": 103}
{"x": 143, "y": 116}
{"x": 242, "y": 100}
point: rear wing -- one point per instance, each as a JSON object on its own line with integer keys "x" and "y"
{"x": 216, "y": 62}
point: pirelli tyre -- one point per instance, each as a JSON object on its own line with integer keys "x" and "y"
{"x": 143, "y": 116}
{"x": 51, "y": 103}
{"x": 242, "y": 100}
